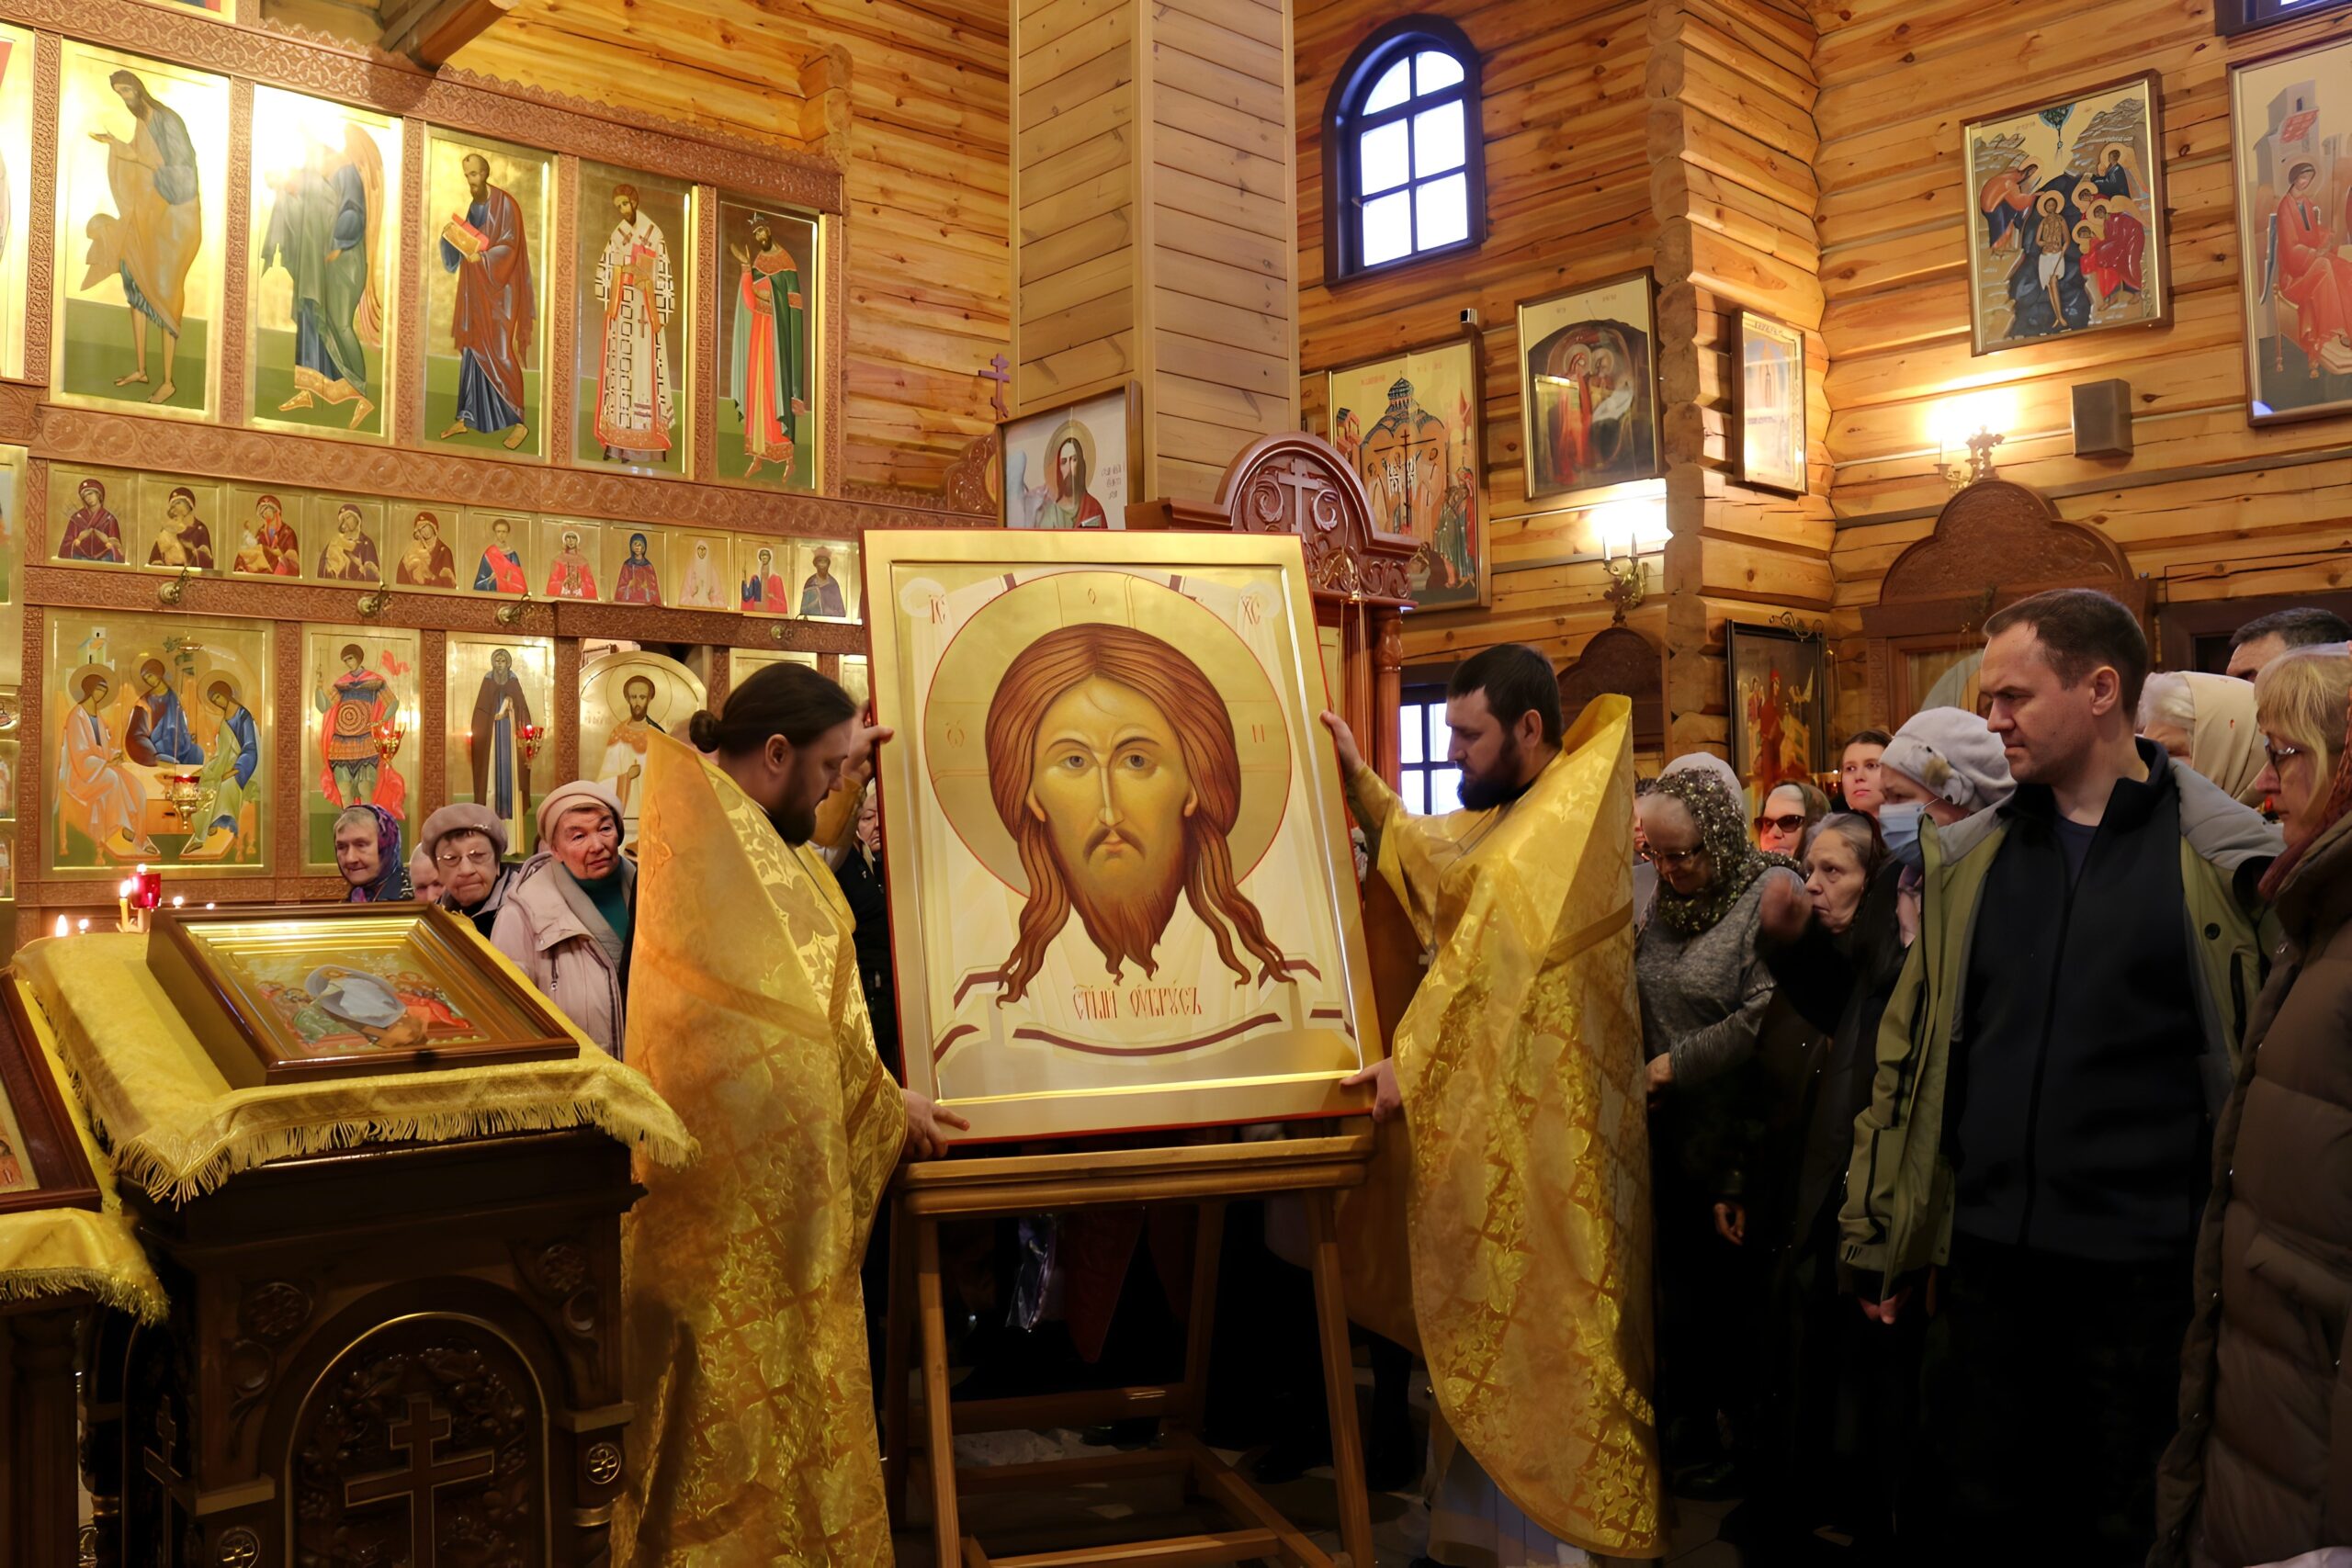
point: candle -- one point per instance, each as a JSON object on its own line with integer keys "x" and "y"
{"x": 121, "y": 904}
{"x": 150, "y": 895}
{"x": 83, "y": 926}
{"x": 207, "y": 905}
{"x": 177, "y": 899}
{"x": 61, "y": 927}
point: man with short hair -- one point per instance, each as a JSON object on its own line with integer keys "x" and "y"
{"x": 2048, "y": 1069}
{"x": 568, "y": 917}
{"x": 1517, "y": 1065}
{"x": 2264, "y": 639}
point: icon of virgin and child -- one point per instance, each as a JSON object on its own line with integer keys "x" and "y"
{"x": 1123, "y": 896}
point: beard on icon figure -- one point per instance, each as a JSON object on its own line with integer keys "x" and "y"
{"x": 1112, "y": 763}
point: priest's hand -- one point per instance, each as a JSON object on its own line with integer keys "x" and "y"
{"x": 1885, "y": 1311}
{"x": 857, "y": 768}
{"x": 1386, "y": 1102}
{"x": 1661, "y": 1077}
{"x": 927, "y": 1125}
{"x": 1344, "y": 740}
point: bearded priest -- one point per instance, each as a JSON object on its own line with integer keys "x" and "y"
{"x": 754, "y": 1442}
{"x": 1517, "y": 1070}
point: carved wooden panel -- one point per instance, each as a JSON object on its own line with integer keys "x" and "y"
{"x": 424, "y": 1444}
{"x": 1999, "y": 535}
{"x": 966, "y": 485}
{"x": 1300, "y": 484}
{"x": 1621, "y": 660}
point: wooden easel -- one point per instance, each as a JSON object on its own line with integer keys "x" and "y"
{"x": 1317, "y": 1169}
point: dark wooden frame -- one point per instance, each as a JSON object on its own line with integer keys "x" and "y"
{"x": 1382, "y": 48}
{"x": 1527, "y": 402}
{"x": 189, "y": 977}
{"x": 2233, "y": 18}
{"x": 2159, "y": 231}
{"x": 62, "y": 1174}
{"x": 1738, "y": 632}
{"x": 1473, "y": 342}
{"x": 1738, "y": 379}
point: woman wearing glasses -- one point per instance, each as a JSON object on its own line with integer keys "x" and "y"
{"x": 468, "y": 844}
{"x": 1789, "y": 814}
{"x": 2258, "y": 1473}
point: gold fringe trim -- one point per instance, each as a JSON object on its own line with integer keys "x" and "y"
{"x": 147, "y": 1306}
{"x": 180, "y": 1181}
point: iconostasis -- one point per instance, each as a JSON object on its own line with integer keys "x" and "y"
{"x": 374, "y": 437}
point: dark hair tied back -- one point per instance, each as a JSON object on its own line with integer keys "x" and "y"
{"x": 790, "y": 700}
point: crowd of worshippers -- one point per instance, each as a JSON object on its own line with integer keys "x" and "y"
{"x": 1999, "y": 1101}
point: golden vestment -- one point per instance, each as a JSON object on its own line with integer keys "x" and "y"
{"x": 754, "y": 1441}
{"x": 1520, "y": 1062}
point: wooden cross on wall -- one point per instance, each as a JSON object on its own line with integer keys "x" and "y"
{"x": 421, "y": 1478}
{"x": 1000, "y": 371}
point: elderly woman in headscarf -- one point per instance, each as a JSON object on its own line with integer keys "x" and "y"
{"x": 368, "y": 852}
{"x": 2208, "y": 722}
{"x": 1704, "y": 995}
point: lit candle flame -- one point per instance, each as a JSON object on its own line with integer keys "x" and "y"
{"x": 61, "y": 927}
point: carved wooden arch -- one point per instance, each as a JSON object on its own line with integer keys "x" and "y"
{"x": 1621, "y": 660}
{"x": 1299, "y": 484}
{"x": 1995, "y": 543}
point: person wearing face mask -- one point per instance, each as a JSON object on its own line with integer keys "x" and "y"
{"x": 2048, "y": 1065}
{"x": 2261, "y": 1468}
{"x": 1705, "y": 996}
{"x": 1836, "y": 1390}
{"x": 754, "y": 1440}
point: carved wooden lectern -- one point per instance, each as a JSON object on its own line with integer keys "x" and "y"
{"x": 406, "y": 1354}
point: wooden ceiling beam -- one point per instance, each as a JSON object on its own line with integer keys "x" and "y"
{"x": 430, "y": 31}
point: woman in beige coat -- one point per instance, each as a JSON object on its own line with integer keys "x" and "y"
{"x": 569, "y": 915}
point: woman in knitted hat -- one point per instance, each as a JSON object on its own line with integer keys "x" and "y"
{"x": 569, "y": 913}
{"x": 1833, "y": 1385}
{"x": 467, "y": 843}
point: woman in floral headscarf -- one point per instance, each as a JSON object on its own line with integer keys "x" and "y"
{"x": 1704, "y": 995}
{"x": 368, "y": 852}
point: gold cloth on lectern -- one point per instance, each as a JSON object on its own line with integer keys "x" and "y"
{"x": 1521, "y": 1065}
{"x": 754, "y": 1442}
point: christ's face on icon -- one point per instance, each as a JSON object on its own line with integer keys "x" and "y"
{"x": 639, "y": 696}
{"x": 152, "y": 678}
{"x": 1107, "y": 779}
{"x": 1067, "y": 462}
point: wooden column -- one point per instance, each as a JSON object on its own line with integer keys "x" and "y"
{"x": 1730, "y": 90}
{"x": 1155, "y": 232}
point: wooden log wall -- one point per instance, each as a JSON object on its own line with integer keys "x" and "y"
{"x": 1568, "y": 203}
{"x": 1731, "y": 141}
{"x": 909, "y": 96}
{"x": 1153, "y": 242}
{"x": 2204, "y": 501}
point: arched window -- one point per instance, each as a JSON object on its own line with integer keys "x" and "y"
{"x": 1404, "y": 170}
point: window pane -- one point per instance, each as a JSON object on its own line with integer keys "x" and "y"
{"x": 1445, "y": 790}
{"x": 1437, "y": 140}
{"x": 1408, "y": 726}
{"x": 1387, "y": 228}
{"x": 1432, "y": 70}
{"x": 1416, "y": 792}
{"x": 1441, "y": 733}
{"x": 1444, "y": 212}
{"x": 1393, "y": 88}
{"x": 1380, "y": 156}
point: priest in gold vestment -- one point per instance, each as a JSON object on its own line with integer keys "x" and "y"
{"x": 1517, "y": 1068}
{"x": 753, "y": 1440}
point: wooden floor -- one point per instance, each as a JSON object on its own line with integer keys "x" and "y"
{"x": 1090, "y": 1516}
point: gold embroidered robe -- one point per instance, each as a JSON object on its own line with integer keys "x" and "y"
{"x": 754, "y": 1440}
{"x": 1520, "y": 1061}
